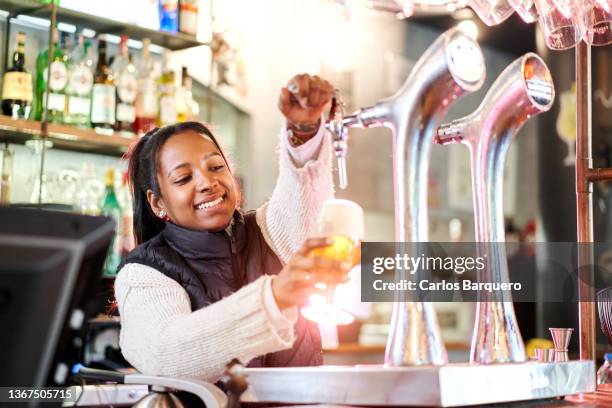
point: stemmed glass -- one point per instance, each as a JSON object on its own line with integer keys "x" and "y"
{"x": 598, "y": 22}
{"x": 526, "y": 9}
{"x": 562, "y": 23}
{"x": 342, "y": 221}
{"x": 491, "y": 12}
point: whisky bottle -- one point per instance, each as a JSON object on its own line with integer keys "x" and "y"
{"x": 103, "y": 93}
{"x": 17, "y": 84}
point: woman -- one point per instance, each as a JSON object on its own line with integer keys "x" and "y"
{"x": 199, "y": 290}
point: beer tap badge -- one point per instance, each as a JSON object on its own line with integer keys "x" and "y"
{"x": 539, "y": 82}
{"x": 465, "y": 59}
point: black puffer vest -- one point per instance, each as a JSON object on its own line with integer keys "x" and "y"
{"x": 213, "y": 265}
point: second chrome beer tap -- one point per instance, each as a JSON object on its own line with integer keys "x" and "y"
{"x": 451, "y": 67}
{"x": 523, "y": 90}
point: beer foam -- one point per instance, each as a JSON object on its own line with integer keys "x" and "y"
{"x": 341, "y": 217}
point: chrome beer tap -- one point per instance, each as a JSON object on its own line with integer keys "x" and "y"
{"x": 339, "y": 134}
{"x": 523, "y": 90}
{"x": 450, "y": 68}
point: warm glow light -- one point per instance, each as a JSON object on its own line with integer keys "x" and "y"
{"x": 469, "y": 28}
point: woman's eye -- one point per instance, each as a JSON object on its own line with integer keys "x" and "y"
{"x": 182, "y": 180}
{"x": 217, "y": 168}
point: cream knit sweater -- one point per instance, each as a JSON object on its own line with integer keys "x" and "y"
{"x": 161, "y": 335}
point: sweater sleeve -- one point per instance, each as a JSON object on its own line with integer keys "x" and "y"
{"x": 290, "y": 216}
{"x": 161, "y": 335}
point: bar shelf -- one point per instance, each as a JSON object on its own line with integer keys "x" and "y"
{"x": 65, "y": 137}
{"x": 172, "y": 41}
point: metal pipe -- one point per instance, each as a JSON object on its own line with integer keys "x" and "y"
{"x": 599, "y": 174}
{"x": 450, "y": 68}
{"x": 584, "y": 202}
{"x": 45, "y": 118}
{"x": 523, "y": 90}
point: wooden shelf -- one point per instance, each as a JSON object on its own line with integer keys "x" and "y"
{"x": 64, "y": 137}
{"x": 171, "y": 41}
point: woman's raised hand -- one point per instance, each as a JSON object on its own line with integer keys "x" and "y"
{"x": 304, "y": 99}
{"x": 296, "y": 281}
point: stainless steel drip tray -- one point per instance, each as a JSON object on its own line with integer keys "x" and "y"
{"x": 452, "y": 385}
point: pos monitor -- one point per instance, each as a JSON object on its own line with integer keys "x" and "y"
{"x": 50, "y": 271}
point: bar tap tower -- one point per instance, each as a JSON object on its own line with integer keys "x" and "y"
{"x": 451, "y": 67}
{"x": 523, "y": 90}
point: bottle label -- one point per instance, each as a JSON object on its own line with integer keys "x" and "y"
{"x": 81, "y": 80}
{"x": 59, "y": 76}
{"x": 125, "y": 113}
{"x": 78, "y": 105}
{"x": 126, "y": 88}
{"x": 17, "y": 86}
{"x": 167, "y": 110}
{"x": 57, "y": 102}
{"x": 188, "y": 17}
{"x": 103, "y": 104}
{"x": 189, "y": 22}
{"x": 149, "y": 102}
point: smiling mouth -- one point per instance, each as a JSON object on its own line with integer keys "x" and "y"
{"x": 211, "y": 204}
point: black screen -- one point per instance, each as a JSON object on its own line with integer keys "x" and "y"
{"x": 50, "y": 277}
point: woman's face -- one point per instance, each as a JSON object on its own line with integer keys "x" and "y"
{"x": 197, "y": 189}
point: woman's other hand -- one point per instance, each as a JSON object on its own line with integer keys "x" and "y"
{"x": 303, "y": 101}
{"x": 296, "y": 281}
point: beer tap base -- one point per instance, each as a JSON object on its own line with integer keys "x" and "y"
{"x": 451, "y": 385}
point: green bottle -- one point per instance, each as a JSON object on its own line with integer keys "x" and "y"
{"x": 111, "y": 208}
{"x": 58, "y": 79}
{"x": 80, "y": 82}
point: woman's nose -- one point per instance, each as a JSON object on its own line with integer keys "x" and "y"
{"x": 206, "y": 182}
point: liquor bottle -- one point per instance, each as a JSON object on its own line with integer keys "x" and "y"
{"x": 103, "y": 93}
{"x": 146, "y": 98}
{"x": 186, "y": 107}
{"x": 17, "y": 84}
{"x": 111, "y": 208}
{"x": 80, "y": 82}
{"x": 168, "y": 15}
{"x": 167, "y": 102}
{"x": 124, "y": 74}
{"x": 188, "y": 16}
{"x": 58, "y": 79}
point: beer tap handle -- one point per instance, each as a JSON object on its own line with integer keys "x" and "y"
{"x": 338, "y": 127}
{"x": 339, "y": 133}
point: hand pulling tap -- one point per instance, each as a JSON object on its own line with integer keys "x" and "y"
{"x": 338, "y": 131}
{"x": 523, "y": 90}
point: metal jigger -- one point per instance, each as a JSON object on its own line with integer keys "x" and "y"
{"x": 451, "y": 67}
{"x": 561, "y": 337}
{"x": 523, "y": 90}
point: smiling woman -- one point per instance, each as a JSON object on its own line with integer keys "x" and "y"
{"x": 209, "y": 282}
{"x": 194, "y": 177}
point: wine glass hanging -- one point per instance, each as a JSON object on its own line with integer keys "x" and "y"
{"x": 564, "y": 22}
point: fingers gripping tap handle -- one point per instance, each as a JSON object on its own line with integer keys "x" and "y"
{"x": 338, "y": 130}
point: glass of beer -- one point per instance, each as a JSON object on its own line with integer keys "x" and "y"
{"x": 342, "y": 221}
